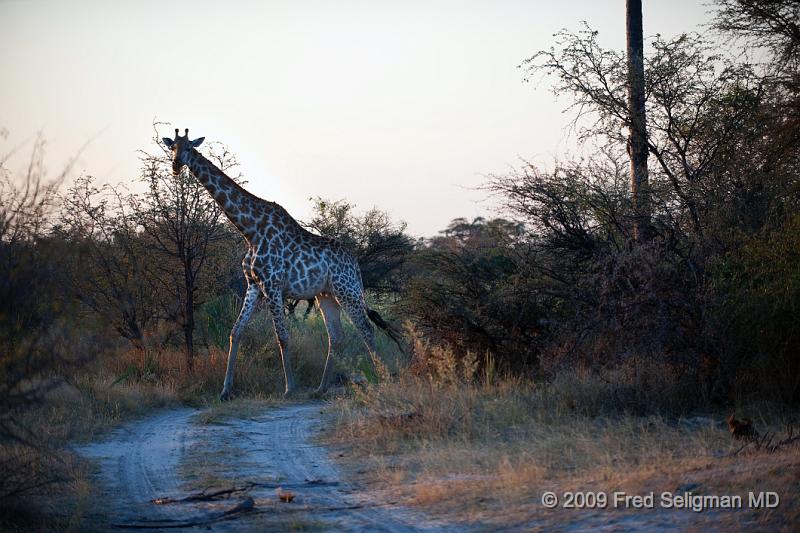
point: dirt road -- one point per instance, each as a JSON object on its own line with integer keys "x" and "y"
{"x": 175, "y": 470}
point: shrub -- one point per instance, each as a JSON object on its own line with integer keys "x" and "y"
{"x": 757, "y": 318}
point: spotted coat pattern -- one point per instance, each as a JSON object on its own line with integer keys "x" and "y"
{"x": 283, "y": 260}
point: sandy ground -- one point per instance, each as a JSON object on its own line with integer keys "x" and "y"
{"x": 189, "y": 468}
{"x": 173, "y": 470}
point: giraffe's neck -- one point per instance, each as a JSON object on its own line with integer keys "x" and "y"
{"x": 241, "y": 207}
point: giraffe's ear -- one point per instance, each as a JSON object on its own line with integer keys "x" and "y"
{"x": 197, "y": 142}
{"x": 169, "y": 142}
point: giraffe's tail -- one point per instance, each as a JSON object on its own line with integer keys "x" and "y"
{"x": 390, "y": 330}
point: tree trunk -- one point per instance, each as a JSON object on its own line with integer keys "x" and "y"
{"x": 188, "y": 327}
{"x": 187, "y": 333}
{"x": 130, "y": 331}
{"x": 141, "y": 353}
{"x": 637, "y": 148}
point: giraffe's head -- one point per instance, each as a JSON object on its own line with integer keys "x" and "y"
{"x": 181, "y": 146}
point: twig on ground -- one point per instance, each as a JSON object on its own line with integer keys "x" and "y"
{"x": 764, "y": 442}
{"x": 204, "y": 496}
{"x": 246, "y": 505}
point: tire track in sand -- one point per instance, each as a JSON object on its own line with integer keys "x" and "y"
{"x": 168, "y": 455}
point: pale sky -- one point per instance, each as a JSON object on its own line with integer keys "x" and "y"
{"x": 403, "y": 105}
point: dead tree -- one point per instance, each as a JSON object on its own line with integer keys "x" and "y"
{"x": 637, "y": 147}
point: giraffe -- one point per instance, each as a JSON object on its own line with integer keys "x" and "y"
{"x": 283, "y": 260}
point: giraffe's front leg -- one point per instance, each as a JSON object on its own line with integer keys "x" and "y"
{"x": 282, "y": 333}
{"x": 250, "y": 300}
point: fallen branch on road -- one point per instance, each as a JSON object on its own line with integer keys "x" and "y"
{"x": 246, "y": 505}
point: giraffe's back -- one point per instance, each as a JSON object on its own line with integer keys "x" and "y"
{"x": 305, "y": 264}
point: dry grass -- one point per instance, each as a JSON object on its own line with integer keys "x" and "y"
{"x": 120, "y": 384}
{"x": 471, "y": 451}
{"x": 526, "y": 427}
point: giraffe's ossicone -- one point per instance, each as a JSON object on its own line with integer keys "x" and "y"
{"x": 283, "y": 260}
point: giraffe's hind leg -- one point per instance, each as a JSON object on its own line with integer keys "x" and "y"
{"x": 356, "y": 309}
{"x": 331, "y": 316}
{"x": 250, "y": 300}
{"x": 275, "y": 299}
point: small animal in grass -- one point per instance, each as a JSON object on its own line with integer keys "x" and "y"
{"x": 741, "y": 429}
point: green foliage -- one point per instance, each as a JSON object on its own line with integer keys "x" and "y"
{"x": 380, "y": 245}
{"x": 33, "y": 334}
{"x": 708, "y": 304}
{"x": 766, "y": 23}
{"x": 218, "y": 316}
{"x": 468, "y": 290}
{"x": 758, "y": 319}
{"x": 704, "y": 301}
{"x": 111, "y": 270}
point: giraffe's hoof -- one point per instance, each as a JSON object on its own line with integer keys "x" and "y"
{"x": 318, "y": 393}
{"x": 225, "y": 396}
